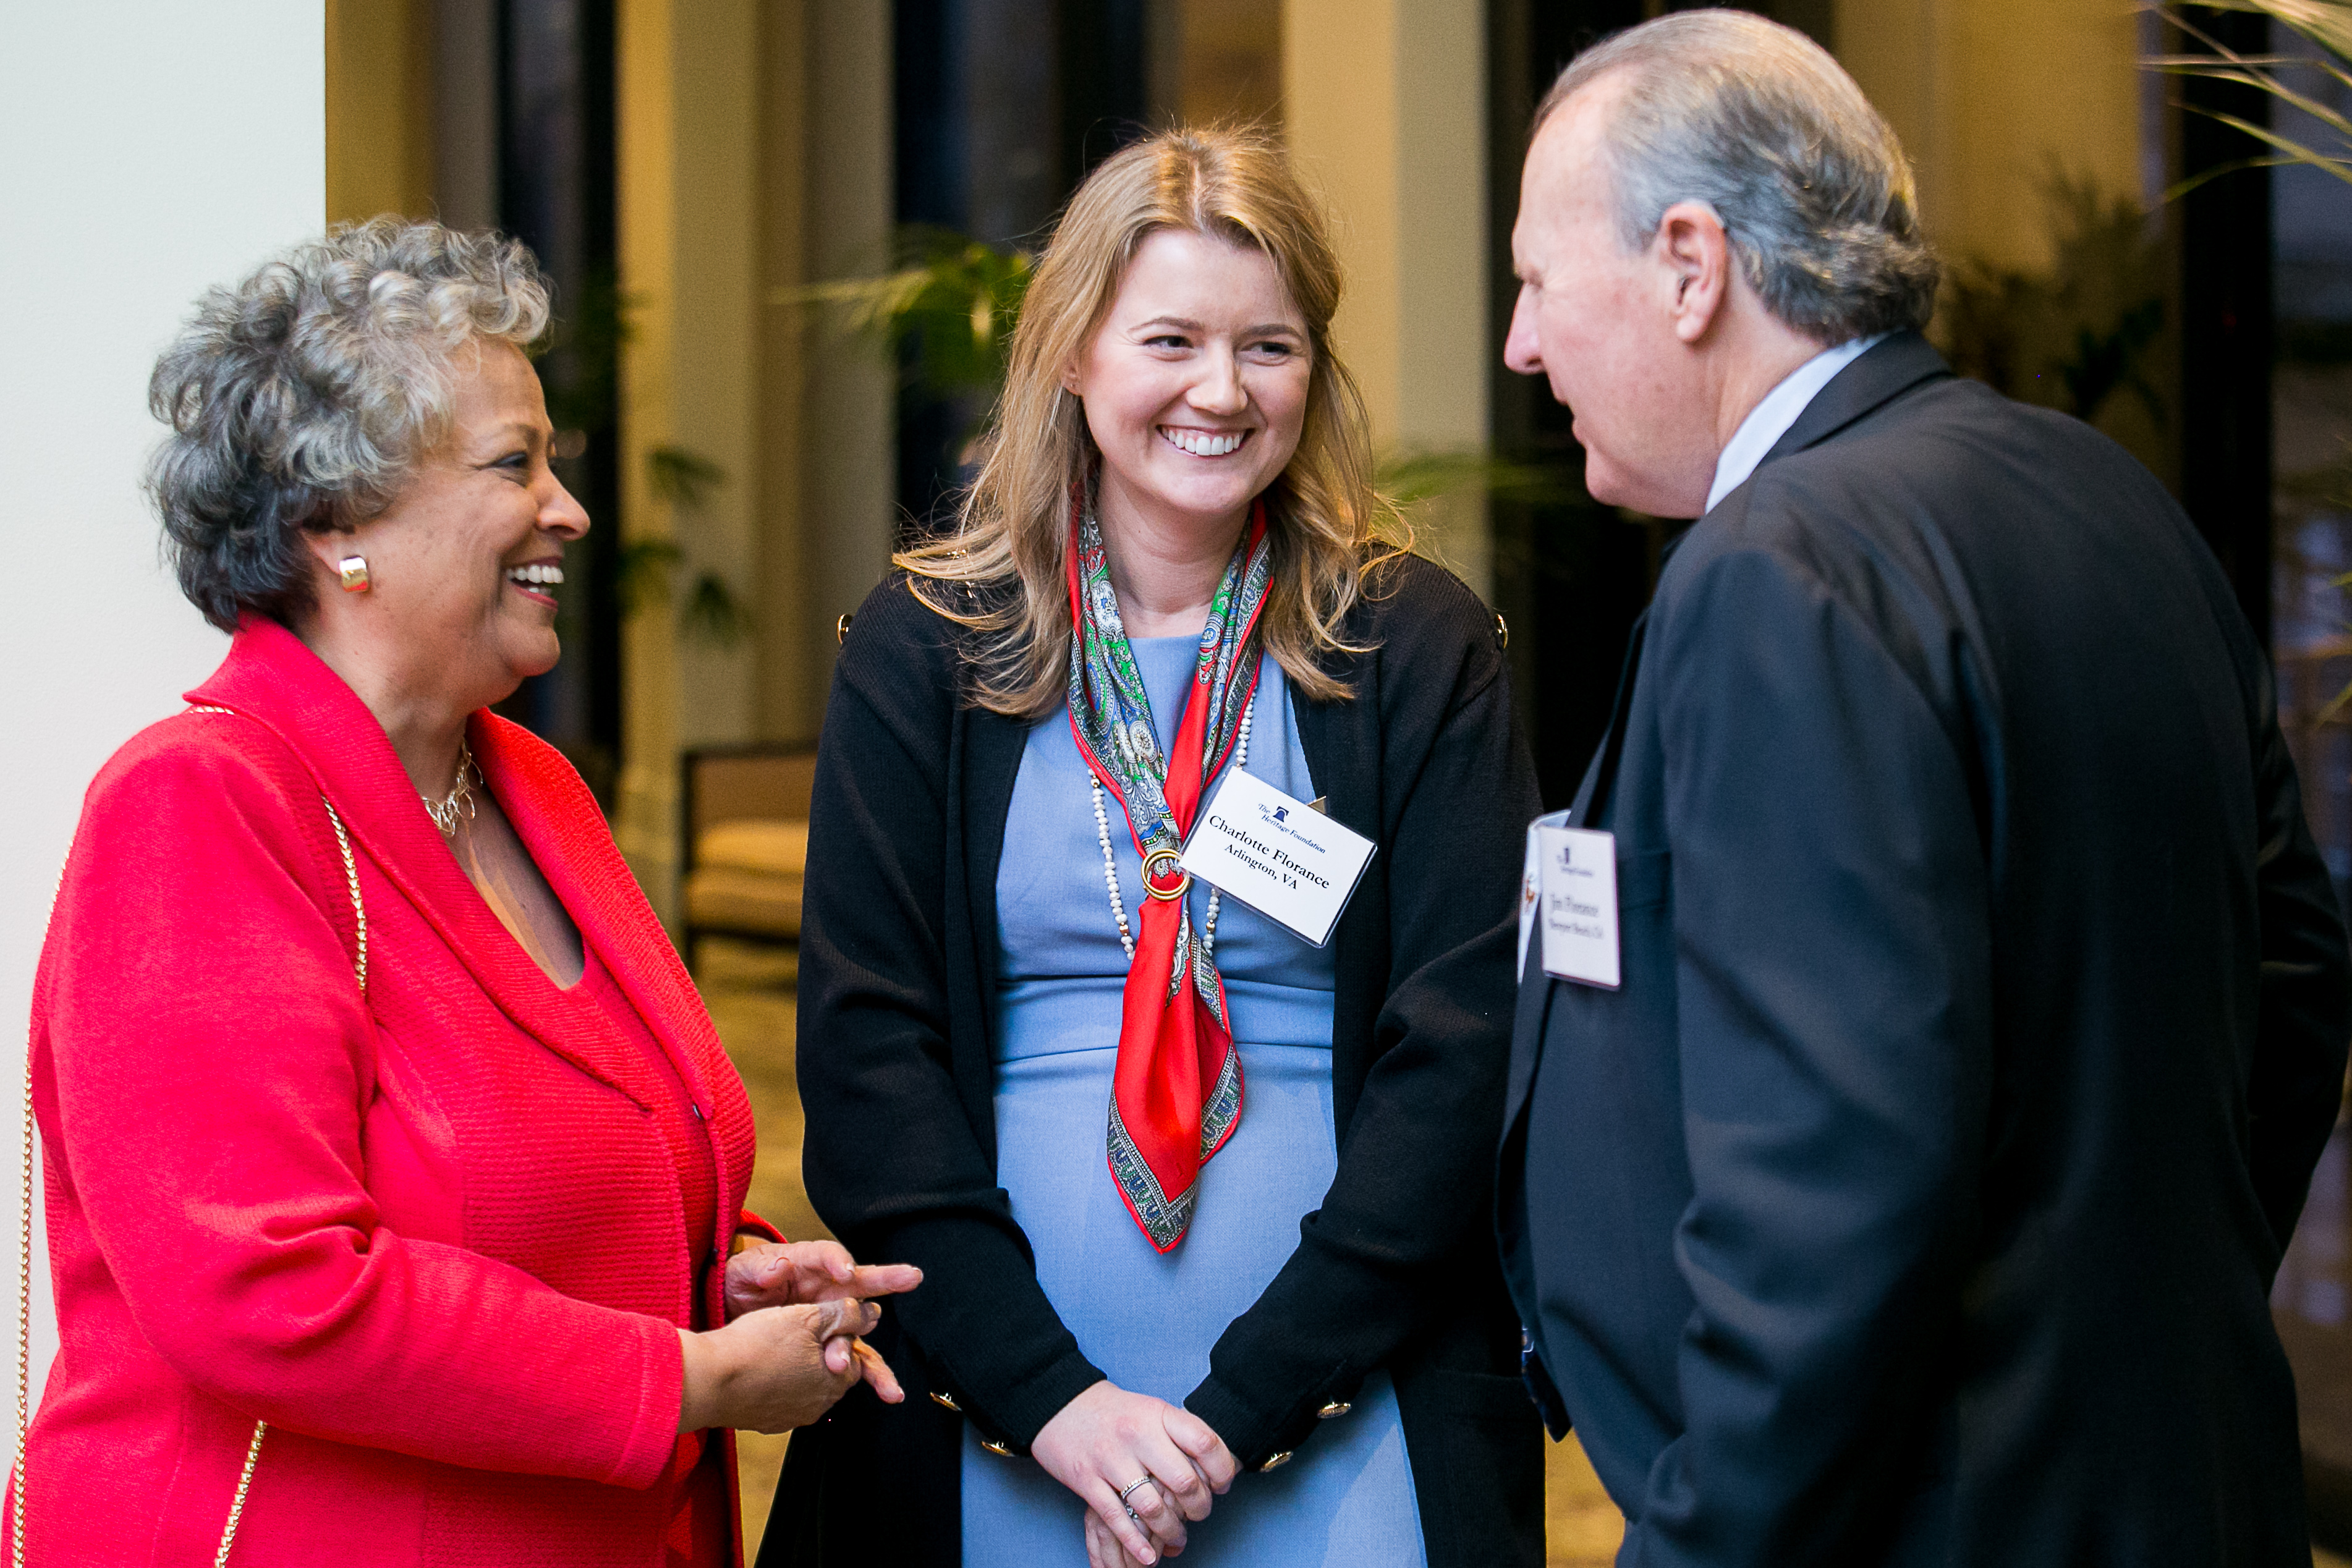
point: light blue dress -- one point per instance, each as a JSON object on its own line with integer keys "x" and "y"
{"x": 1146, "y": 1319}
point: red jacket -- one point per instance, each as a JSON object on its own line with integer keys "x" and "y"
{"x": 439, "y": 1250}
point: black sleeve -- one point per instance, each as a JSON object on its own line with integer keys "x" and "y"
{"x": 1407, "y": 1216}
{"x": 2296, "y": 1083}
{"x": 1834, "y": 1111}
{"x": 891, "y": 1160}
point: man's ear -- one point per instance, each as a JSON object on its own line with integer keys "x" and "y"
{"x": 1697, "y": 252}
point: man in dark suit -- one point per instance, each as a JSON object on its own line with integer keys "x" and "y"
{"x": 1899, "y": 1171}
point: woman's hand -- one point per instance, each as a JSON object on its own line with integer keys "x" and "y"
{"x": 781, "y": 1367}
{"x": 1104, "y": 1550}
{"x": 803, "y": 1273}
{"x": 1106, "y": 1438}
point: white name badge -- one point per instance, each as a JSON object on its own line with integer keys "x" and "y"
{"x": 1283, "y": 858}
{"x": 1579, "y": 905}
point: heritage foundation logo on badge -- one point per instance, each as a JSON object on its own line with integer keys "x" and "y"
{"x": 1281, "y": 858}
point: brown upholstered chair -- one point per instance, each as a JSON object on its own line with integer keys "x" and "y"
{"x": 745, "y": 817}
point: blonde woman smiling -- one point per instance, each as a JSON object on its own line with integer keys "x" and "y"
{"x": 1202, "y": 1206}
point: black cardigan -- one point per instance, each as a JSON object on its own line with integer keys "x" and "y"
{"x": 1395, "y": 1269}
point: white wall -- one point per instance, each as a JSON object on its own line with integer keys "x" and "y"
{"x": 148, "y": 148}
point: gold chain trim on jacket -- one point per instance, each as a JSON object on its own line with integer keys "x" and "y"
{"x": 24, "y": 1238}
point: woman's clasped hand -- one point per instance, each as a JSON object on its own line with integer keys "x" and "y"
{"x": 796, "y": 1315}
{"x": 1144, "y": 1467}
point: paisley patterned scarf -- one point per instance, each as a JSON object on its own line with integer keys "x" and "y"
{"x": 1176, "y": 1094}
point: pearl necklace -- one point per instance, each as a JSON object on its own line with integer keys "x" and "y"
{"x": 1110, "y": 867}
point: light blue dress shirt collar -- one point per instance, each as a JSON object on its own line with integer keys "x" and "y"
{"x": 1771, "y": 419}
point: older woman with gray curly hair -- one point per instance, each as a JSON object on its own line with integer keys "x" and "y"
{"x": 396, "y": 1172}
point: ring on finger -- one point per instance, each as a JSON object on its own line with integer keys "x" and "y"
{"x": 1146, "y": 1480}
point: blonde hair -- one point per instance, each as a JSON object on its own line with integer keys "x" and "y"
{"x": 1326, "y": 523}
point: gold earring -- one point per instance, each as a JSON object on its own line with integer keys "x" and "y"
{"x": 352, "y": 570}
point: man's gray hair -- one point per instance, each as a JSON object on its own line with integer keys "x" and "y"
{"x": 302, "y": 397}
{"x": 1756, "y": 120}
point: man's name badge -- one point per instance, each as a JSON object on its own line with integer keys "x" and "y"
{"x": 1284, "y": 859}
{"x": 1578, "y": 911}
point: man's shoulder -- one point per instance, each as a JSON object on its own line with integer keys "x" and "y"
{"x": 1947, "y": 445}
{"x": 1950, "y": 467}
{"x": 1974, "y": 541}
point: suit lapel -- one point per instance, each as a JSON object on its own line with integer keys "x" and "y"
{"x": 1528, "y": 1029}
{"x": 1536, "y": 986}
{"x": 1594, "y": 793}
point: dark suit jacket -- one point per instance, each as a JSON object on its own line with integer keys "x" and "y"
{"x": 1916, "y": 1197}
{"x": 1394, "y": 1269}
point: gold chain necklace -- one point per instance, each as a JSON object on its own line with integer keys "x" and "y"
{"x": 457, "y": 805}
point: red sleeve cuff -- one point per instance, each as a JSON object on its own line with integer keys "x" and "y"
{"x": 651, "y": 1445}
{"x": 759, "y": 1226}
